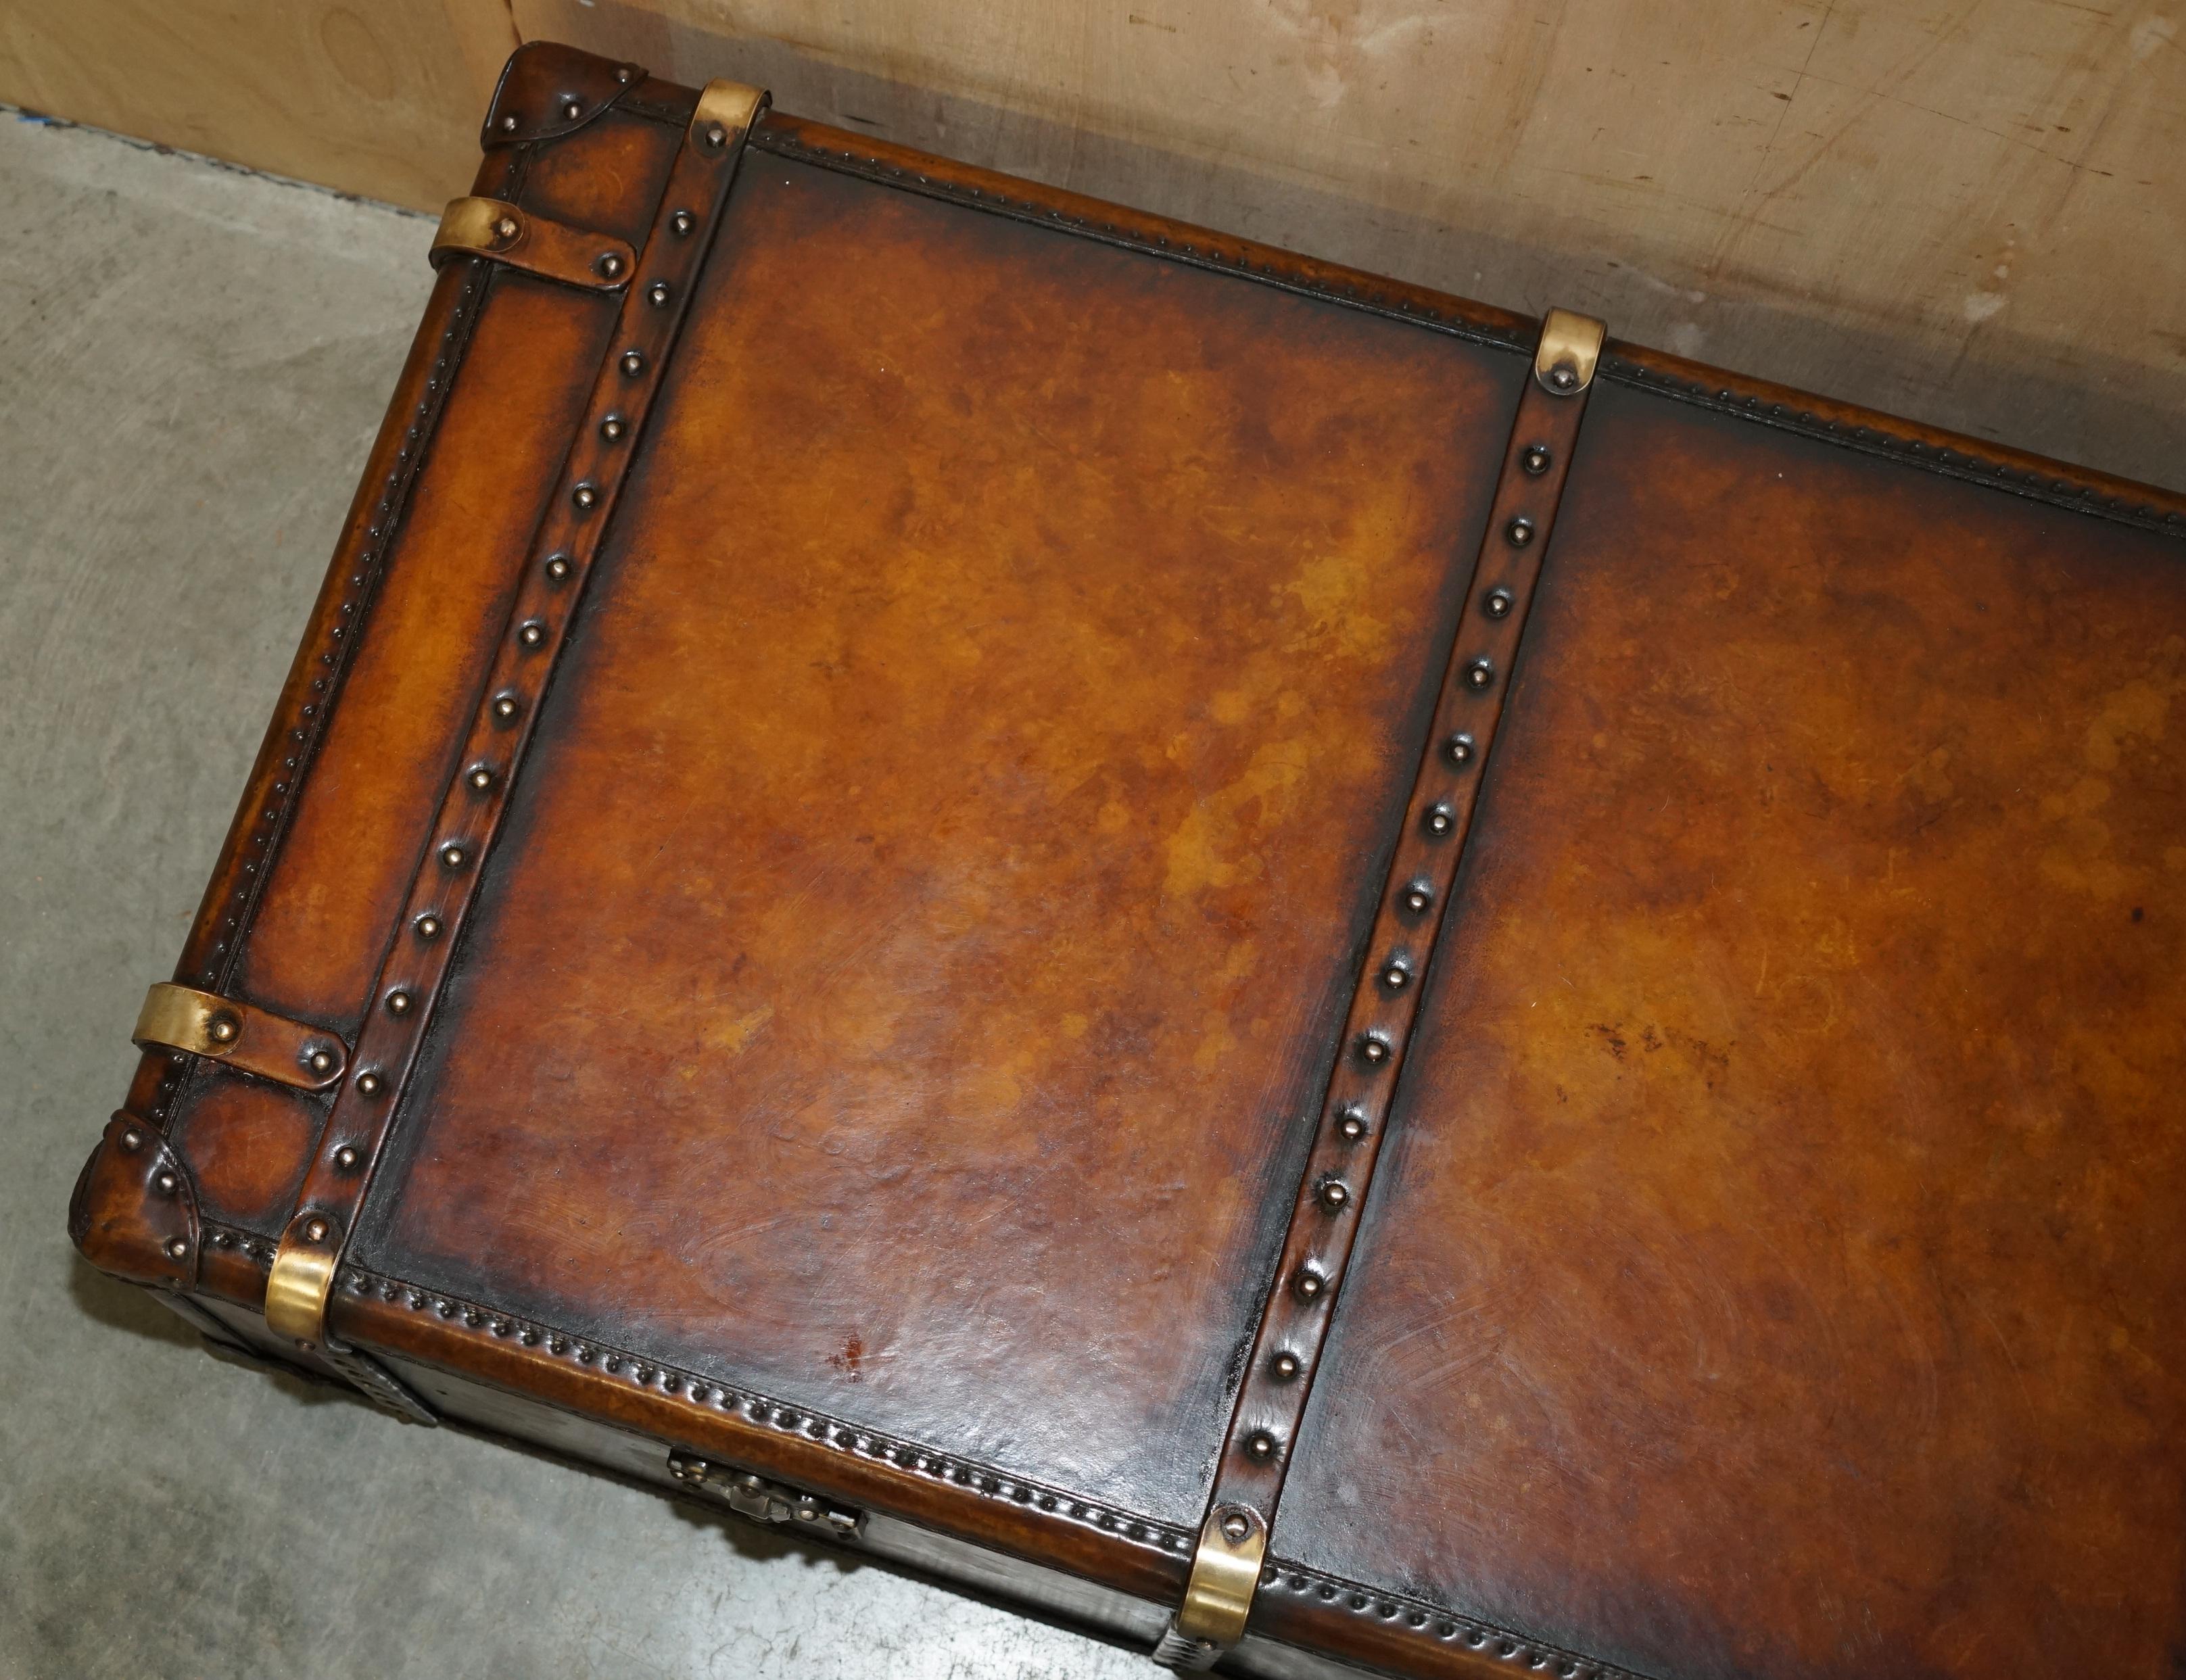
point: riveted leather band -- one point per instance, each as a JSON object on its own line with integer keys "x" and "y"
{"x": 503, "y": 233}
{"x": 1264, "y": 1424}
{"x": 446, "y": 882}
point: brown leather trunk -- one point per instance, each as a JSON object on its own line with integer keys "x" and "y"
{"x": 901, "y": 779}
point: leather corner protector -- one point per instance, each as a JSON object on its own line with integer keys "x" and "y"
{"x": 500, "y": 232}
{"x": 135, "y": 1211}
{"x": 547, "y": 91}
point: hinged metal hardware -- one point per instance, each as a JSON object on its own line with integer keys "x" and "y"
{"x": 1218, "y": 1597}
{"x": 241, "y": 1034}
{"x": 504, "y": 233}
{"x": 1570, "y": 345}
{"x": 753, "y": 1496}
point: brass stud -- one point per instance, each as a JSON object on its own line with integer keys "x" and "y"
{"x": 1498, "y": 603}
{"x": 585, "y": 497}
{"x": 1458, "y": 749}
{"x": 345, "y": 1158}
{"x": 176, "y": 1248}
{"x": 1563, "y": 377}
{"x": 1259, "y": 1447}
{"x": 368, "y": 1084}
{"x": 557, "y": 568}
{"x": 505, "y": 707}
{"x": 1373, "y": 1048}
{"x": 1478, "y": 676}
{"x": 1416, "y": 898}
{"x": 1236, "y": 1526}
{"x": 398, "y": 1002}
{"x": 131, "y": 1140}
{"x": 481, "y": 777}
{"x": 1440, "y": 821}
{"x": 315, "y": 1229}
{"x": 428, "y": 927}
{"x": 1396, "y": 976}
{"x": 505, "y": 228}
{"x": 633, "y": 362}
{"x": 715, "y": 137}
{"x": 508, "y": 123}
{"x": 681, "y": 223}
{"x": 1308, "y": 1283}
{"x": 1334, "y": 1195}
{"x": 1518, "y": 533}
{"x": 609, "y": 265}
{"x": 1284, "y": 1367}
{"x": 1351, "y": 1124}
{"x": 1535, "y": 460}
{"x": 623, "y": 74}
{"x": 612, "y": 427}
{"x": 164, "y": 1183}
{"x": 320, "y": 1061}
{"x": 223, "y": 1028}
{"x": 658, "y": 294}
{"x": 453, "y": 856}
{"x": 573, "y": 109}
{"x": 531, "y": 634}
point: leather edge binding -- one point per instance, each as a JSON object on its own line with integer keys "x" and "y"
{"x": 1352, "y": 1115}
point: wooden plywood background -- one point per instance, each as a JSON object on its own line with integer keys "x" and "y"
{"x": 1971, "y": 211}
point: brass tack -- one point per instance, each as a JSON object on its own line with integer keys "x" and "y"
{"x": 1376, "y": 1051}
{"x": 1236, "y": 1526}
{"x": 398, "y": 1002}
{"x": 1259, "y": 1446}
{"x": 453, "y": 856}
{"x": 505, "y": 707}
{"x": 558, "y": 567}
{"x": 1498, "y": 603}
{"x": 1284, "y": 1367}
{"x": 531, "y": 634}
{"x": 1479, "y": 675}
{"x": 573, "y": 109}
{"x": 176, "y": 1248}
{"x": 681, "y": 223}
{"x": 657, "y": 294}
{"x": 1563, "y": 376}
{"x": 133, "y": 1140}
{"x": 1416, "y": 899}
{"x": 481, "y": 777}
{"x": 1351, "y": 1124}
{"x": 585, "y": 497}
{"x": 1308, "y": 1283}
{"x": 508, "y": 123}
{"x": 1440, "y": 821}
{"x": 612, "y": 427}
{"x": 428, "y": 927}
{"x": 320, "y": 1060}
{"x": 609, "y": 265}
{"x": 368, "y": 1084}
{"x": 1396, "y": 976}
{"x": 223, "y": 1029}
{"x": 633, "y": 362}
{"x": 1518, "y": 533}
{"x": 1535, "y": 460}
{"x": 715, "y": 137}
{"x": 315, "y": 1229}
{"x": 345, "y": 1158}
{"x": 1334, "y": 1195}
{"x": 505, "y": 227}
{"x": 164, "y": 1183}
{"x": 1458, "y": 749}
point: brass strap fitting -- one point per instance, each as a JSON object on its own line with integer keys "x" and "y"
{"x": 241, "y": 1034}
{"x": 1226, "y": 1573}
{"x": 504, "y": 233}
{"x": 1570, "y": 345}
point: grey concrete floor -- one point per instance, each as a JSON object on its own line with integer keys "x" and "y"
{"x": 192, "y": 364}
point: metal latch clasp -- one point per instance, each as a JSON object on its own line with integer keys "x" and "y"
{"x": 753, "y": 1495}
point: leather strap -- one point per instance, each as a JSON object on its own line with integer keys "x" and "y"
{"x": 507, "y": 234}
{"x": 1248, "y": 1479}
{"x": 446, "y": 882}
{"x": 240, "y": 1034}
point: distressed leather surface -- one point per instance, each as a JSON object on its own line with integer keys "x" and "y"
{"x": 907, "y": 977}
{"x": 1774, "y": 1269}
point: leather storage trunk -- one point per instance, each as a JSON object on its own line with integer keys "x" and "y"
{"x": 1285, "y": 966}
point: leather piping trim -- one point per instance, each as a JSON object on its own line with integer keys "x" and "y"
{"x": 1303, "y": 1607}
{"x": 500, "y": 232}
{"x": 583, "y": 499}
{"x": 2075, "y": 489}
{"x": 1423, "y": 866}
